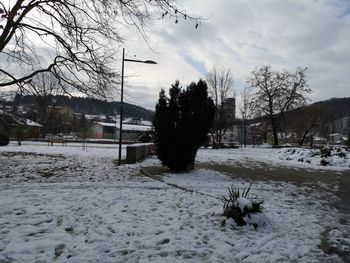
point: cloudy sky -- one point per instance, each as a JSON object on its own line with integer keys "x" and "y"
{"x": 242, "y": 35}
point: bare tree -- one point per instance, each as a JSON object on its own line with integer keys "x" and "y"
{"x": 220, "y": 88}
{"x": 307, "y": 122}
{"x": 74, "y": 40}
{"x": 246, "y": 111}
{"x": 84, "y": 126}
{"x": 3, "y": 111}
{"x": 3, "y": 102}
{"x": 8, "y": 111}
{"x": 276, "y": 92}
{"x": 44, "y": 87}
{"x": 348, "y": 145}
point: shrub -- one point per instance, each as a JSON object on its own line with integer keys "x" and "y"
{"x": 325, "y": 152}
{"x": 4, "y": 139}
{"x": 182, "y": 123}
{"x": 145, "y": 137}
{"x": 342, "y": 154}
{"x": 241, "y": 209}
{"x": 324, "y": 162}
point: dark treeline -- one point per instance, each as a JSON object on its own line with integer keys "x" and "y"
{"x": 89, "y": 106}
{"x": 332, "y": 109}
{"x": 337, "y": 107}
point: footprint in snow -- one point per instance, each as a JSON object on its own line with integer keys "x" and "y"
{"x": 164, "y": 241}
{"x": 59, "y": 249}
{"x": 59, "y": 220}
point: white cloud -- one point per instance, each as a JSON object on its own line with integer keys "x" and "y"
{"x": 244, "y": 34}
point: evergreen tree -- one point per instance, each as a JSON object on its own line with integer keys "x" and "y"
{"x": 182, "y": 123}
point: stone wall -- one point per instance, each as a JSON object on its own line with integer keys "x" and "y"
{"x": 138, "y": 152}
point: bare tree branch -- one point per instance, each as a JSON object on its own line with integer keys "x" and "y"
{"x": 74, "y": 40}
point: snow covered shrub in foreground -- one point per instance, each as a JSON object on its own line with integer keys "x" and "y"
{"x": 243, "y": 210}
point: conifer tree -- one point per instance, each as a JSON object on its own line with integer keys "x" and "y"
{"x": 182, "y": 123}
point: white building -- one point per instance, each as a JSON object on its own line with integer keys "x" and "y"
{"x": 105, "y": 130}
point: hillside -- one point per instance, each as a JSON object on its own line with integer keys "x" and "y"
{"x": 336, "y": 108}
{"x": 332, "y": 110}
{"x": 90, "y": 106}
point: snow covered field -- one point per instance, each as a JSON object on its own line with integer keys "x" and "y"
{"x": 66, "y": 204}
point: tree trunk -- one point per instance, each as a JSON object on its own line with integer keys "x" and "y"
{"x": 301, "y": 141}
{"x": 275, "y": 136}
{"x": 213, "y": 141}
{"x": 190, "y": 166}
{"x": 311, "y": 141}
{"x": 219, "y": 139}
{"x": 245, "y": 136}
{"x": 244, "y": 139}
{"x": 349, "y": 134}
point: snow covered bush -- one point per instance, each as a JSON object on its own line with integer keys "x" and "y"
{"x": 326, "y": 156}
{"x": 4, "y": 139}
{"x": 325, "y": 152}
{"x": 145, "y": 137}
{"x": 242, "y": 209}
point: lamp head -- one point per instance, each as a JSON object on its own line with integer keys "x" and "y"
{"x": 149, "y": 62}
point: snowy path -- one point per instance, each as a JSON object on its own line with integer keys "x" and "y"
{"x": 99, "y": 212}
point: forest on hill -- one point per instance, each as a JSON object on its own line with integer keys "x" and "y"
{"x": 89, "y": 106}
{"x": 335, "y": 108}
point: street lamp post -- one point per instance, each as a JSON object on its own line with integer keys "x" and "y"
{"x": 122, "y": 97}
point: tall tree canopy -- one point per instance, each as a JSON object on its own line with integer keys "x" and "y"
{"x": 75, "y": 40}
{"x": 275, "y": 92}
{"x": 182, "y": 122}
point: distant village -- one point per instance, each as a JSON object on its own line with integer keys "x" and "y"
{"x": 72, "y": 126}
{"x": 61, "y": 124}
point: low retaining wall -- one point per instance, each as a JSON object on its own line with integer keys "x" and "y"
{"x": 139, "y": 152}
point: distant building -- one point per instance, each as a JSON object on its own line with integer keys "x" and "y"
{"x": 335, "y": 138}
{"x": 342, "y": 126}
{"x": 12, "y": 125}
{"x": 239, "y": 133}
{"x": 32, "y": 128}
{"x": 317, "y": 140}
{"x": 90, "y": 117}
{"x": 258, "y": 133}
{"x": 104, "y": 130}
{"x": 137, "y": 121}
{"x": 62, "y": 110}
{"x": 229, "y": 106}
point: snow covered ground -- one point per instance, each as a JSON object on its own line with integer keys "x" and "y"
{"x": 66, "y": 204}
{"x": 255, "y": 156}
